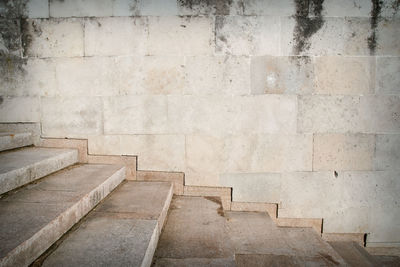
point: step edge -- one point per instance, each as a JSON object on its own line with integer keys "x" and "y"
{"x": 11, "y": 258}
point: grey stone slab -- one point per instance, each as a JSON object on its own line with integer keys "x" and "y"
{"x": 34, "y": 217}
{"x": 195, "y": 229}
{"x": 281, "y": 260}
{"x": 122, "y": 231}
{"x": 195, "y": 262}
{"x": 15, "y": 140}
{"x": 354, "y": 254}
{"x": 22, "y": 166}
{"x": 104, "y": 240}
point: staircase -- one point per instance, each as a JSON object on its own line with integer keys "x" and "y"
{"x": 45, "y": 193}
{"x": 57, "y": 211}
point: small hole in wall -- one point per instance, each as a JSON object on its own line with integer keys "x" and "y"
{"x": 335, "y": 173}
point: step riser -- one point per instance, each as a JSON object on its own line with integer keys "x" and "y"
{"x": 148, "y": 258}
{"x": 29, "y": 173}
{"x": 11, "y": 141}
{"x": 32, "y": 248}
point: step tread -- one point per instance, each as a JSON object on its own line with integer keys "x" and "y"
{"x": 21, "y": 166}
{"x": 61, "y": 198}
{"x": 123, "y": 230}
{"x": 353, "y": 254}
{"x": 14, "y": 140}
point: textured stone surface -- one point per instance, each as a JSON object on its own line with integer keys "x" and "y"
{"x": 124, "y": 229}
{"x": 19, "y": 109}
{"x": 15, "y": 140}
{"x": 144, "y": 115}
{"x": 19, "y": 167}
{"x": 253, "y": 187}
{"x": 247, "y": 35}
{"x": 169, "y": 35}
{"x": 155, "y": 152}
{"x": 55, "y": 38}
{"x": 38, "y": 8}
{"x": 343, "y": 152}
{"x": 387, "y": 152}
{"x": 176, "y": 178}
{"x": 267, "y": 153}
{"x": 387, "y": 78}
{"x": 268, "y": 7}
{"x": 71, "y": 116}
{"x": 33, "y": 128}
{"x": 145, "y": 8}
{"x": 115, "y": 36}
{"x": 217, "y": 75}
{"x": 349, "y": 114}
{"x": 280, "y": 75}
{"x": 354, "y": 254}
{"x": 80, "y": 8}
{"x": 39, "y": 216}
{"x": 345, "y": 75}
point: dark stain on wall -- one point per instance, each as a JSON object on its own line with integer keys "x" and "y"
{"x": 309, "y": 20}
{"x": 375, "y": 17}
{"x": 207, "y": 7}
{"x": 1, "y": 99}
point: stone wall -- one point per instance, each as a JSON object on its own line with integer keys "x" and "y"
{"x": 285, "y": 102}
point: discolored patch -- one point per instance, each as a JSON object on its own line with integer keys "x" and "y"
{"x": 309, "y": 20}
{"x": 374, "y": 20}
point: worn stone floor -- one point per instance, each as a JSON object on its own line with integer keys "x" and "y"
{"x": 199, "y": 233}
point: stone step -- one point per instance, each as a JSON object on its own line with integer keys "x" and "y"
{"x": 122, "y": 231}
{"x": 33, "y": 217}
{"x": 354, "y": 254}
{"x": 15, "y": 140}
{"x": 21, "y": 166}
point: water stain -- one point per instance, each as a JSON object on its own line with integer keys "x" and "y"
{"x": 1, "y": 99}
{"x": 207, "y": 7}
{"x": 217, "y": 200}
{"x": 309, "y": 20}
{"x": 374, "y": 20}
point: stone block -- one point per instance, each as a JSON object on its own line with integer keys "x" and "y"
{"x": 344, "y": 8}
{"x": 80, "y": 8}
{"x": 19, "y": 109}
{"x": 387, "y": 152}
{"x": 32, "y": 128}
{"x": 269, "y": 8}
{"x": 203, "y": 153}
{"x": 227, "y": 75}
{"x": 172, "y": 35}
{"x": 54, "y": 38}
{"x": 314, "y": 223}
{"x": 31, "y": 77}
{"x": 78, "y": 144}
{"x": 161, "y": 75}
{"x": 253, "y": 187}
{"x": 247, "y": 35}
{"x": 356, "y": 32}
{"x": 142, "y": 115}
{"x": 115, "y": 36}
{"x": 71, "y": 117}
{"x": 145, "y": 8}
{"x": 213, "y": 7}
{"x": 343, "y": 152}
{"x": 88, "y": 76}
{"x": 353, "y": 114}
{"x": 155, "y": 152}
{"x": 267, "y": 153}
{"x": 176, "y": 178}
{"x": 221, "y": 115}
{"x": 387, "y": 75}
{"x": 37, "y": 9}
{"x": 281, "y": 75}
{"x": 328, "y": 40}
{"x": 270, "y": 208}
{"x": 205, "y": 178}
{"x": 207, "y": 191}
{"x": 388, "y": 43}
{"x": 11, "y": 140}
{"x": 345, "y": 75}
{"x": 383, "y": 227}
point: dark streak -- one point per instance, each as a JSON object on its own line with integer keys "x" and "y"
{"x": 217, "y": 200}
{"x": 375, "y": 17}
{"x": 308, "y": 21}
{"x": 1, "y": 99}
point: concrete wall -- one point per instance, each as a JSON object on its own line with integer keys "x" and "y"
{"x": 284, "y": 102}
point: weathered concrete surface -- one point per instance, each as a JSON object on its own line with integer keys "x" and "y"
{"x": 122, "y": 231}
{"x": 216, "y": 237}
{"x": 33, "y": 128}
{"x": 26, "y": 165}
{"x": 15, "y": 140}
{"x": 176, "y": 178}
{"x": 35, "y": 216}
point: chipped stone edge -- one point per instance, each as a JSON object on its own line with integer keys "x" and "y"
{"x": 32, "y": 248}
